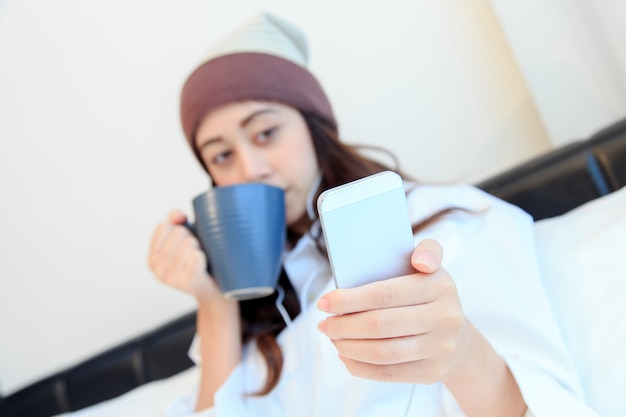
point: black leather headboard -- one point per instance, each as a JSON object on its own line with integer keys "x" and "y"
{"x": 546, "y": 186}
{"x": 157, "y": 354}
{"x": 567, "y": 177}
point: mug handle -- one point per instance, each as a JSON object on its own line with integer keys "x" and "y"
{"x": 192, "y": 229}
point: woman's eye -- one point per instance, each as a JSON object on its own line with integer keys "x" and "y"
{"x": 266, "y": 135}
{"x": 221, "y": 158}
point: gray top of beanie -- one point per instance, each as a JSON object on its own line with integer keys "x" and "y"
{"x": 264, "y": 33}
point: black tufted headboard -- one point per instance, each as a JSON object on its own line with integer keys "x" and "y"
{"x": 547, "y": 186}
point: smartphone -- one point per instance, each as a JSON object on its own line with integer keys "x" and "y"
{"x": 367, "y": 229}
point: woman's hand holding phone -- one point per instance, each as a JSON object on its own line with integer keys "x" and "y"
{"x": 405, "y": 329}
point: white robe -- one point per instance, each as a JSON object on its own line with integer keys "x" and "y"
{"x": 491, "y": 254}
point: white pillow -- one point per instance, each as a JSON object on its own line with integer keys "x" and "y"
{"x": 583, "y": 256}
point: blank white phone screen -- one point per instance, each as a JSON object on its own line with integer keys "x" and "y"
{"x": 369, "y": 240}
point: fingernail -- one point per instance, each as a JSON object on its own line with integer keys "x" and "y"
{"x": 425, "y": 259}
{"x": 322, "y": 326}
{"x": 323, "y": 304}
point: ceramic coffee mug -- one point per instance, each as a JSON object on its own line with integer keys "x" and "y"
{"x": 242, "y": 231}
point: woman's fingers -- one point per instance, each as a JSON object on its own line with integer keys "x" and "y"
{"x": 401, "y": 291}
{"x": 424, "y": 359}
{"x": 424, "y": 371}
{"x": 166, "y": 256}
{"x": 176, "y": 259}
{"x": 427, "y": 256}
{"x": 379, "y": 324}
{"x": 436, "y": 342}
{"x": 177, "y": 217}
{"x": 157, "y": 240}
{"x": 435, "y": 306}
{"x": 408, "y": 290}
{"x": 409, "y": 328}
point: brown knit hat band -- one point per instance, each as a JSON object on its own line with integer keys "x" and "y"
{"x": 249, "y": 76}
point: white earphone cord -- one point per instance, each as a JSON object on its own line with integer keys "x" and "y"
{"x": 280, "y": 307}
{"x": 408, "y": 406}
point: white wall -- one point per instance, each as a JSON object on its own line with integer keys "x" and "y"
{"x": 92, "y": 156}
{"x": 434, "y": 81}
{"x": 573, "y": 60}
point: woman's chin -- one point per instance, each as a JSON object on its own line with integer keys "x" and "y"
{"x": 300, "y": 224}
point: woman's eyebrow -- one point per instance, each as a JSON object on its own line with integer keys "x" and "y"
{"x": 250, "y": 117}
{"x": 208, "y": 142}
{"x": 243, "y": 123}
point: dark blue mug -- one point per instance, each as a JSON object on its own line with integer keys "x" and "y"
{"x": 242, "y": 231}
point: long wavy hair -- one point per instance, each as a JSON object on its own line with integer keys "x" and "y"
{"x": 339, "y": 163}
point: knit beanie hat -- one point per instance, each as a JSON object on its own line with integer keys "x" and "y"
{"x": 264, "y": 59}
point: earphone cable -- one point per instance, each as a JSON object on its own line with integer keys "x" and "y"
{"x": 408, "y": 406}
{"x": 281, "y": 308}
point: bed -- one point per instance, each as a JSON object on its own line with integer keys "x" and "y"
{"x": 577, "y": 187}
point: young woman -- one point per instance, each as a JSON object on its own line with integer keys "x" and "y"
{"x": 470, "y": 332}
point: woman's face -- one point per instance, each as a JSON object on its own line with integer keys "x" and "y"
{"x": 256, "y": 141}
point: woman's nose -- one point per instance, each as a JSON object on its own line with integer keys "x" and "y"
{"x": 254, "y": 165}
